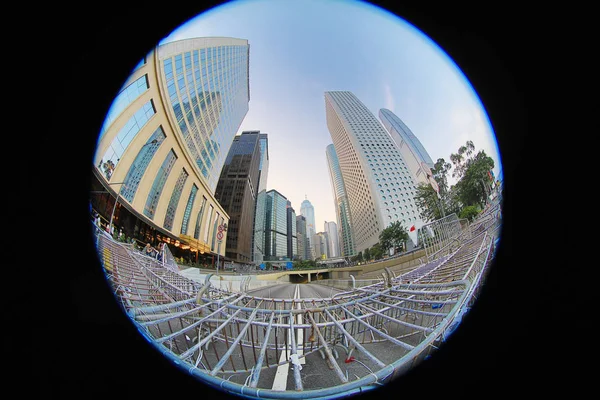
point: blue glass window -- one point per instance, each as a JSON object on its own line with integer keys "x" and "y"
{"x": 188, "y": 210}
{"x": 125, "y": 97}
{"x": 208, "y": 221}
{"x": 199, "y": 219}
{"x": 159, "y": 183}
{"x": 174, "y": 201}
{"x": 140, "y": 164}
{"x": 124, "y": 137}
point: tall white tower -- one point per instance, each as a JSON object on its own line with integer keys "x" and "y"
{"x": 379, "y": 186}
{"x": 308, "y": 211}
{"x": 333, "y": 239}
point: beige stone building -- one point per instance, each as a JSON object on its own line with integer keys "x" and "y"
{"x": 165, "y": 139}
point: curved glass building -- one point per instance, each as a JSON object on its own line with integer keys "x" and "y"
{"x": 378, "y": 183}
{"x": 165, "y": 139}
{"x": 410, "y": 147}
{"x": 342, "y": 210}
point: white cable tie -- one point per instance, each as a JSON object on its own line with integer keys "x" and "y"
{"x": 296, "y": 361}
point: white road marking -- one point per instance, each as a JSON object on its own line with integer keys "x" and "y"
{"x": 281, "y": 375}
{"x": 300, "y": 343}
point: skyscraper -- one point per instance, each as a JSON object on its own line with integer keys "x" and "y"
{"x": 303, "y": 242}
{"x": 276, "y": 243}
{"x": 207, "y": 83}
{"x": 414, "y": 154}
{"x": 379, "y": 186}
{"x": 167, "y": 134}
{"x": 320, "y": 247}
{"x": 307, "y": 209}
{"x": 258, "y": 239}
{"x": 342, "y": 210}
{"x": 236, "y": 192}
{"x": 292, "y": 235}
{"x": 333, "y": 244}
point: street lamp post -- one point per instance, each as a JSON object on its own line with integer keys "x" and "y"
{"x": 222, "y": 228}
{"x": 110, "y": 225}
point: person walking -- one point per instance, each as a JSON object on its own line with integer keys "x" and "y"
{"x": 149, "y": 250}
{"x": 160, "y": 251}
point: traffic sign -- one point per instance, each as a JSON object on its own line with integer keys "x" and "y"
{"x": 220, "y": 235}
{"x": 220, "y": 228}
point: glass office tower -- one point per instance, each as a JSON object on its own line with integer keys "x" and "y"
{"x": 276, "y": 242}
{"x": 342, "y": 210}
{"x": 307, "y": 209}
{"x": 206, "y": 82}
{"x": 258, "y": 239}
{"x": 236, "y": 192}
{"x": 165, "y": 138}
{"x": 413, "y": 152}
{"x": 378, "y": 183}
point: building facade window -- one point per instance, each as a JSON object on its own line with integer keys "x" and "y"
{"x": 140, "y": 164}
{"x": 158, "y": 184}
{"x": 117, "y": 147}
{"x": 188, "y": 210}
{"x": 125, "y": 97}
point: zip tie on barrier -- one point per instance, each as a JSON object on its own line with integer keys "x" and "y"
{"x": 249, "y": 376}
{"x": 296, "y": 361}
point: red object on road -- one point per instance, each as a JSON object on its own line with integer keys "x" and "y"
{"x": 412, "y": 228}
{"x": 350, "y": 359}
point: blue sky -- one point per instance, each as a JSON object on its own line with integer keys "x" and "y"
{"x": 300, "y": 49}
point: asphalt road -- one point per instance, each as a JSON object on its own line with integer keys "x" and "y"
{"x": 288, "y": 291}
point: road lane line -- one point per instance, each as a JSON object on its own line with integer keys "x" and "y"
{"x": 281, "y": 375}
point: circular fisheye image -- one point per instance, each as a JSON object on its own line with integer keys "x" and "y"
{"x": 287, "y": 211}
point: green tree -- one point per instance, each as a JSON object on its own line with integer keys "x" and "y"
{"x": 359, "y": 256}
{"x": 474, "y": 186}
{"x": 393, "y": 236}
{"x": 427, "y": 202}
{"x": 376, "y": 251}
{"x": 367, "y": 254}
{"x": 461, "y": 159}
{"x": 469, "y": 212}
{"x": 440, "y": 174}
{"x": 432, "y": 206}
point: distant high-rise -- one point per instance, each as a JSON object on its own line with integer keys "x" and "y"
{"x": 333, "y": 245}
{"x": 236, "y": 192}
{"x": 303, "y": 242}
{"x": 276, "y": 231}
{"x": 320, "y": 248}
{"x": 307, "y": 209}
{"x": 411, "y": 149}
{"x": 292, "y": 235}
{"x": 258, "y": 239}
{"x": 378, "y": 184}
{"x": 344, "y": 222}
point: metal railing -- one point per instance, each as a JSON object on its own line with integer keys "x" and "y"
{"x": 364, "y": 337}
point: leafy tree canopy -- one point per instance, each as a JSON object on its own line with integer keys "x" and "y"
{"x": 469, "y": 212}
{"x": 377, "y": 251}
{"x": 393, "y": 236}
{"x": 474, "y": 185}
